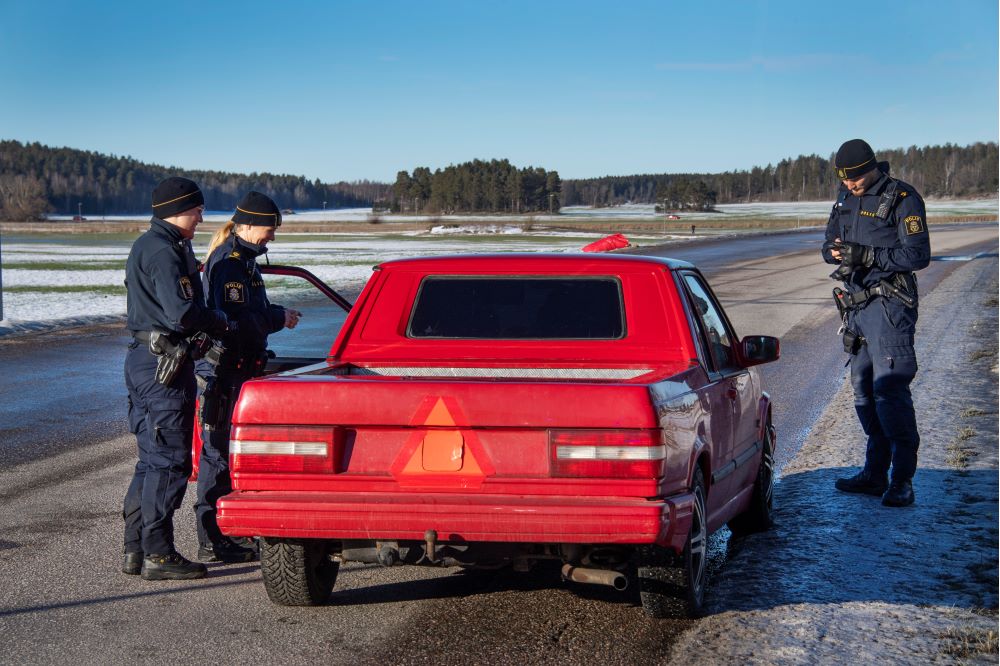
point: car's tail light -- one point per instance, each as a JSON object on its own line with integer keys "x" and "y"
{"x": 612, "y": 454}
{"x": 306, "y": 449}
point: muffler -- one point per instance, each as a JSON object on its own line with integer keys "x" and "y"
{"x": 614, "y": 579}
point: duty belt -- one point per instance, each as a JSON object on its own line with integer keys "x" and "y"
{"x": 884, "y": 288}
{"x": 143, "y": 336}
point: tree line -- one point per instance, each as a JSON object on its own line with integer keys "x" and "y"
{"x": 478, "y": 186}
{"x": 36, "y": 180}
{"x": 936, "y": 171}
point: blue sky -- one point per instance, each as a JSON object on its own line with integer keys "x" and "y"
{"x": 355, "y": 90}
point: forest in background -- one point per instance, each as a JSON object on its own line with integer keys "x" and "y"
{"x": 478, "y": 186}
{"x": 936, "y": 171}
{"x": 36, "y": 180}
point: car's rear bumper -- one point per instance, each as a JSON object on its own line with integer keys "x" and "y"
{"x": 457, "y": 518}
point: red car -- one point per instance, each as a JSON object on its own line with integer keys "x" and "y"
{"x": 494, "y": 410}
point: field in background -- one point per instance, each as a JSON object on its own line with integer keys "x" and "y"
{"x": 64, "y": 272}
{"x": 630, "y": 217}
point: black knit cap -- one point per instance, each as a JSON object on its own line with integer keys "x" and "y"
{"x": 175, "y": 195}
{"x": 855, "y": 158}
{"x": 258, "y": 210}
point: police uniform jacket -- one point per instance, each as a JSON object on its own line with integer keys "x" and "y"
{"x": 163, "y": 286}
{"x": 900, "y": 240}
{"x": 236, "y": 287}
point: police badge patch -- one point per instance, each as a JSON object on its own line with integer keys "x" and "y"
{"x": 914, "y": 224}
{"x": 234, "y": 292}
{"x": 186, "y": 289}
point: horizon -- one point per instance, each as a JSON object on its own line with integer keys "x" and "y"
{"x": 173, "y": 167}
{"x": 346, "y": 92}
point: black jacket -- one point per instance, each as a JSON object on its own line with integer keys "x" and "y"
{"x": 235, "y": 286}
{"x": 164, "y": 290}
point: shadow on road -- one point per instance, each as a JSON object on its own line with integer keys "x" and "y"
{"x": 170, "y": 589}
{"x": 834, "y": 547}
{"x": 465, "y": 583}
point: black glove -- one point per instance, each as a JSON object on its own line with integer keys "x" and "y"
{"x": 220, "y": 323}
{"x": 853, "y": 255}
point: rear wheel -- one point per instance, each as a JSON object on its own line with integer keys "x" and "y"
{"x": 760, "y": 514}
{"x": 671, "y": 584}
{"x": 297, "y": 572}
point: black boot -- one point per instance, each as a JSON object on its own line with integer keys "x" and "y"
{"x": 132, "y": 563}
{"x": 900, "y": 493}
{"x": 863, "y": 482}
{"x": 226, "y": 551}
{"x": 171, "y": 567}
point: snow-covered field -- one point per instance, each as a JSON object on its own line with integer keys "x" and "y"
{"x": 54, "y": 278}
{"x": 806, "y": 210}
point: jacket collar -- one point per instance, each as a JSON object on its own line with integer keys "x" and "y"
{"x": 876, "y": 189}
{"x": 247, "y": 250}
{"x": 164, "y": 228}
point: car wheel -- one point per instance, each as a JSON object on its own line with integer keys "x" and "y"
{"x": 297, "y": 572}
{"x": 670, "y": 584}
{"x": 760, "y": 515}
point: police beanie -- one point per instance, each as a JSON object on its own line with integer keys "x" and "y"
{"x": 855, "y": 158}
{"x": 175, "y": 195}
{"x": 258, "y": 210}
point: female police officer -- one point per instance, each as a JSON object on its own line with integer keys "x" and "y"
{"x": 234, "y": 285}
{"x": 166, "y": 307}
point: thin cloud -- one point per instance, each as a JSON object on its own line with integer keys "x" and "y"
{"x": 805, "y": 61}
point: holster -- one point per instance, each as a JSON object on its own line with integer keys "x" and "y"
{"x": 211, "y": 404}
{"x": 170, "y": 356}
{"x": 853, "y": 341}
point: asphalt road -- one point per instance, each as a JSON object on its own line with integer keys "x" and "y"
{"x": 65, "y": 459}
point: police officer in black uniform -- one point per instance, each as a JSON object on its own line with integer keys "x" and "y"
{"x": 234, "y": 285}
{"x": 877, "y": 234}
{"x": 168, "y": 318}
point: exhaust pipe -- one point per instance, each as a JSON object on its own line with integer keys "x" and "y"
{"x": 614, "y": 579}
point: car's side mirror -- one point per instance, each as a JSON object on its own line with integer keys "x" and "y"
{"x": 757, "y": 349}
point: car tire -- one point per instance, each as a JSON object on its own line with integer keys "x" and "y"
{"x": 671, "y": 585}
{"x": 760, "y": 515}
{"x": 297, "y": 572}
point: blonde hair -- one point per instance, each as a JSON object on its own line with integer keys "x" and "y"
{"x": 220, "y": 237}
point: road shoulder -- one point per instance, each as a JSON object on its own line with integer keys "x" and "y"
{"x": 841, "y": 577}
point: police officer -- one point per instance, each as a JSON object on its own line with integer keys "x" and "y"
{"x": 877, "y": 234}
{"x": 234, "y": 284}
{"x": 166, "y": 308}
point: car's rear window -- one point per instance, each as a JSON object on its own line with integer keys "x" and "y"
{"x": 518, "y": 308}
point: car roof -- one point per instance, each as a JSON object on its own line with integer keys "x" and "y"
{"x": 538, "y": 260}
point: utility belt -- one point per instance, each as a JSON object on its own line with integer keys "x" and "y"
{"x": 885, "y": 288}
{"x": 251, "y": 365}
{"x": 172, "y": 351}
{"x": 897, "y": 288}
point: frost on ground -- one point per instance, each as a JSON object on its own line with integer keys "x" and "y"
{"x": 842, "y": 578}
{"x": 69, "y": 282}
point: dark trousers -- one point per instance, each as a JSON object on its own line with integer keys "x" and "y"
{"x": 881, "y": 373}
{"x": 214, "y": 480}
{"x": 162, "y": 420}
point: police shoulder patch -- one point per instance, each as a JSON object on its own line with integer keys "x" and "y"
{"x": 914, "y": 224}
{"x": 234, "y": 292}
{"x": 186, "y": 289}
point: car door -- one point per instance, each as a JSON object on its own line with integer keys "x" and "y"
{"x": 280, "y": 362}
{"x": 284, "y": 361}
{"x": 730, "y": 389}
